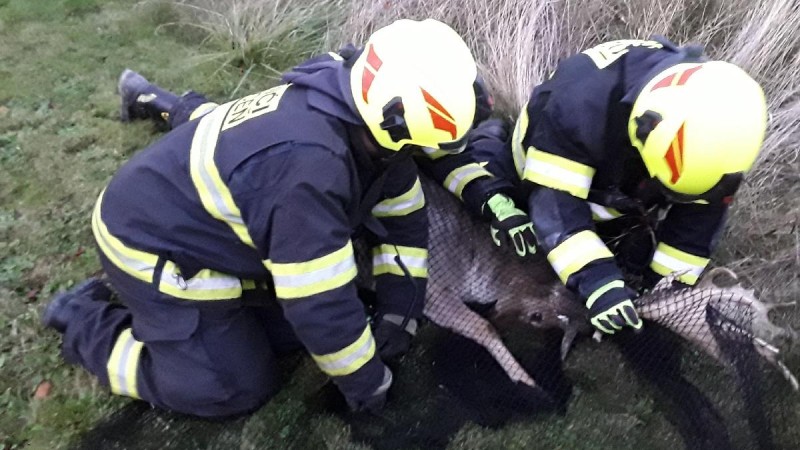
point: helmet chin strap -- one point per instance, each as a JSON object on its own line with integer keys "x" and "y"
{"x": 365, "y": 146}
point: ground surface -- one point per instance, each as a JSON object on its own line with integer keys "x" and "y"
{"x": 60, "y": 141}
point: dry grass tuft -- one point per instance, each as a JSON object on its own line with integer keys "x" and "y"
{"x": 266, "y": 35}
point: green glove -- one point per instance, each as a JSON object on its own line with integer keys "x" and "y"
{"x": 511, "y": 224}
{"x": 613, "y": 317}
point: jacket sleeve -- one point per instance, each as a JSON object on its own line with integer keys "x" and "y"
{"x": 686, "y": 238}
{"x": 297, "y": 214}
{"x": 559, "y": 169}
{"x": 400, "y": 258}
{"x": 469, "y": 179}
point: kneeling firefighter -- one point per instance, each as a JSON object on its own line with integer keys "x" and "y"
{"x": 229, "y": 240}
{"x": 626, "y": 136}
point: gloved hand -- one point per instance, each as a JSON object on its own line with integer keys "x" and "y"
{"x": 391, "y": 340}
{"x": 615, "y": 312}
{"x": 377, "y": 400}
{"x": 511, "y": 224}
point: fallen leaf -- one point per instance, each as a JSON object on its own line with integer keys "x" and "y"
{"x": 42, "y": 390}
{"x": 32, "y": 294}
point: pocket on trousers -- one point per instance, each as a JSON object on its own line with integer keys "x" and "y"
{"x": 159, "y": 321}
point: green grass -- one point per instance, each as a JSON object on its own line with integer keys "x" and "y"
{"x": 61, "y": 141}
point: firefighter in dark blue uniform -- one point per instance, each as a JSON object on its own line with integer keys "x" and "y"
{"x": 229, "y": 240}
{"x": 632, "y": 130}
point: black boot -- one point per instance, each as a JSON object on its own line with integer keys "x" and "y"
{"x": 142, "y": 99}
{"x": 61, "y": 309}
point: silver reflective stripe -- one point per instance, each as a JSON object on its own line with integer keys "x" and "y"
{"x": 133, "y": 264}
{"x": 409, "y": 261}
{"x": 349, "y": 360}
{"x": 386, "y": 383}
{"x": 457, "y": 179}
{"x": 122, "y": 368}
{"x": 547, "y": 169}
{"x": 603, "y": 213}
{"x": 219, "y": 282}
{"x": 390, "y": 208}
{"x": 676, "y": 265}
{"x": 212, "y": 190}
{"x": 315, "y": 276}
{"x": 205, "y": 142}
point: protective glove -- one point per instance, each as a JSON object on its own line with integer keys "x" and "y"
{"x": 511, "y": 224}
{"x": 615, "y": 311}
{"x": 377, "y": 400}
{"x": 391, "y": 340}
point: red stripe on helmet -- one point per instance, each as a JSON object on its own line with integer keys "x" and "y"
{"x": 372, "y": 59}
{"x": 372, "y": 67}
{"x": 431, "y": 101}
{"x": 674, "y": 156}
{"x": 664, "y": 82}
{"x": 441, "y": 118}
{"x": 441, "y": 123}
{"x": 686, "y": 74}
{"x": 366, "y": 82}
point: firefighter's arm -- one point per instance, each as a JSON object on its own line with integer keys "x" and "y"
{"x": 581, "y": 260}
{"x": 463, "y": 176}
{"x": 485, "y": 195}
{"x": 301, "y": 200}
{"x": 400, "y": 259}
{"x": 686, "y": 238}
{"x": 561, "y": 152}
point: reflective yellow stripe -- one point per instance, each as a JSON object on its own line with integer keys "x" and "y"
{"x": 402, "y": 205}
{"x": 577, "y": 251}
{"x": 602, "y": 290}
{"x": 123, "y": 363}
{"x": 350, "y": 358}
{"x": 135, "y": 263}
{"x": 602, "y": 213}
{"x": 434, "y": 153}
{"x": 415, "y": 259}
{"x": 558, "y": 172}
{"x": 458, "y": 179}
{"x": 215, "y": 196}
{"x": 668, "y": 259}
{"x": 517, "y": 148}
{"x": 202, "y": 110}
{"x": 205, "y": 285}
{"x": 304, "y": 279}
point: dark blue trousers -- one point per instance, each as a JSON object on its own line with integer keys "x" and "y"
{"x": 204, "y": 358}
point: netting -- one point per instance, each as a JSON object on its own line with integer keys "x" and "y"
{"x": 488, "y": 370}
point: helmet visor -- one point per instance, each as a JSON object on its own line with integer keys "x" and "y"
{"x": 456, "y": 146}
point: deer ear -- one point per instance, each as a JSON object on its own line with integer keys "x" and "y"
{"x": 483, "y": 309}
{"x": 717, "y": 275}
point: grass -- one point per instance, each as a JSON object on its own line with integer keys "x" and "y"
{"x": 60, "y": 142}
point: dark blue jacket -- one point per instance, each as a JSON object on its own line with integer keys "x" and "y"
{"x": 268, "y": 189}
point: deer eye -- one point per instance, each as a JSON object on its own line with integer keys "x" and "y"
{"x": 535, "y": 317}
